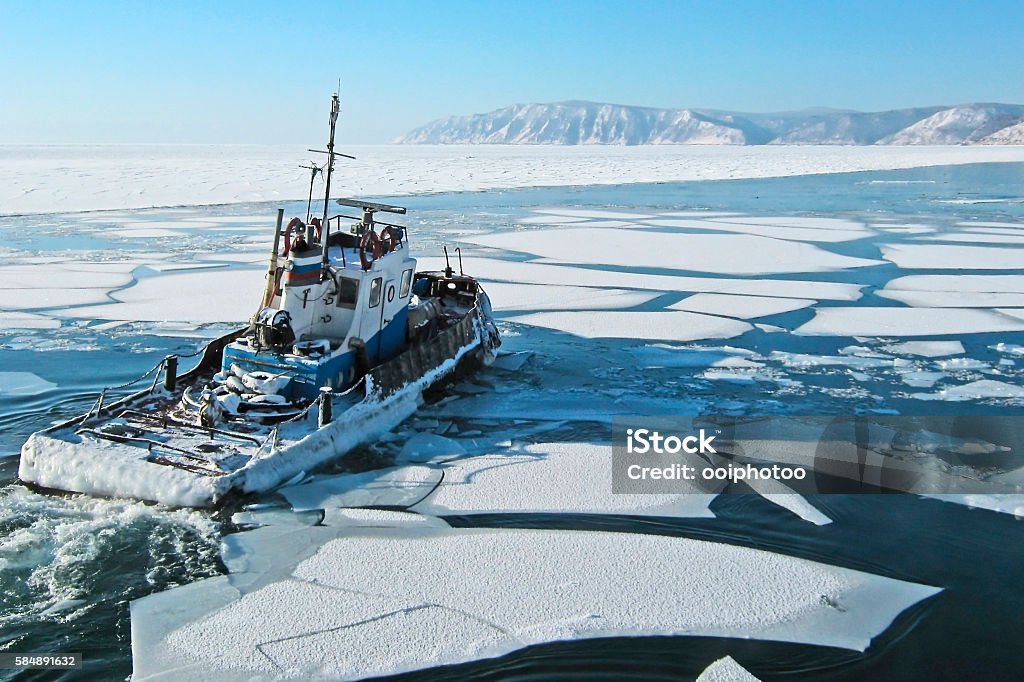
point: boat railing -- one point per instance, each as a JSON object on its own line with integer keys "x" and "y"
{"x": 421, "y": 358}
{"x": 208, "y": 356}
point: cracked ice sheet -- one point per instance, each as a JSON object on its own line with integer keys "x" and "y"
{"x": 781, "y": 229}
{"x": 870, "y": 321}
{"x": 742, "y": 307}
{"x": 535, "y": 481}
{"x": 492, "y": 269}
{"x": 199, "y": 297}
{"x": 747, "y": 254}
{"x": 660, "y": 326}
{"x": 9, "y": 320}
{"x": 928, "y": 256}
{"x": 505, "y": 296}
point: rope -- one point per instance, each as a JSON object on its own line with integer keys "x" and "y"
{"x": 156, "y": 368}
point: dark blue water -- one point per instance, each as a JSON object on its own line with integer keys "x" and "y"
{"x": 69, "y": 566}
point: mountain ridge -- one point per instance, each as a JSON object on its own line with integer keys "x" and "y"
{"x": 580, "y": 122}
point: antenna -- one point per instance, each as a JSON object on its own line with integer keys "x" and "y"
{"x": 458, "y": 250}
{"x": 314, "y": 171}
{"x": 447, "y": 264}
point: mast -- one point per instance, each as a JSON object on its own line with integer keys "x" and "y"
{"x": 330, "y": 156}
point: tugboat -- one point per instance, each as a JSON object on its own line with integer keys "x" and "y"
{"x": 347, "y": 338}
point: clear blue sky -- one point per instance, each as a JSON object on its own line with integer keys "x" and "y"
{"x": 255, "y": 71}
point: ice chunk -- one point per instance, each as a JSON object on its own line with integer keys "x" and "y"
{"x": 1005, "y": 503}
{"x": 550, "y": 478}
{"x": 743, "y": 307}
{"x": 782, "y": 495}
{"x": 748, "y": 254}
{"x": 928, "y": 349}
{"x": 976, "y": 390}
{"x": 429, "y": 447}
{"x": 23, "y": 383}
{"x": 870, "y": 321}
{"x": 511, "y": 362}
{"x": 922, "y": 379}
{"x": 397, "y": 487}
{"x": 658, "y": 355}
{"x": 668, "y": 326}
{"x": 806, "y": 360}
{"x": 726, "y": 670}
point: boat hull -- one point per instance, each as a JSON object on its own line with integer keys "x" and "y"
{"x": 62, "y": 458}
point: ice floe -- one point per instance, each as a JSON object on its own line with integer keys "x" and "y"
{"x": 505, "y": 296}
{"x": 20, "y": 320}
{"x": 23, "y": 383}
{"x": 659, "y": 355}
{"x": 976, "y": 390}
{"x": 492, "y": 269}
{"x": 959, "y": 283}
{"x": 928, "y": 349}
{"x": 198, "y": 297}
{"x": 550, "y": 478}
{"x": 872, "y": 321}
{"x": 662, "y": 326}
{"x": 398, "y": 487}
{"x": 726, "y": 670}
{"x": 742, "y": 307}
{"x": 954, "y": 299}
{"x": 319, "y": 601}
{"x": 939, "y": 257}
{"x": 716, "y": 253}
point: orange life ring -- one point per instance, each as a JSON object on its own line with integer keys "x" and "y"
{"x": 288, "y": 234}
{"x": 369, "y": 241}
{"x": 390, "y": 238}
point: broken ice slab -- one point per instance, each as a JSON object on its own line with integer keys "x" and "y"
{"x": 748, "y": 254}
{"x": 395, "y": 487}
{"x": 872, "y": 321}
{"x": 551, "y": 478}
{"x": 440, "y": 596}
{"x": 726, "y": 670}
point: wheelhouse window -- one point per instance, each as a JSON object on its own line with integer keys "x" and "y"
{"x": 406, "y": 282}
{"x": 375, "y": 292}
{"x": 348, "y": 290}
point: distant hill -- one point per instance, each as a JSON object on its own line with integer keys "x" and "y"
{"x": 574, "y": 123}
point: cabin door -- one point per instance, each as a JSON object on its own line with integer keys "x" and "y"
{"x": 389, "y": 296}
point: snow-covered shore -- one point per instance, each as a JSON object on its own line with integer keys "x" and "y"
{"x": 63, "y": 178}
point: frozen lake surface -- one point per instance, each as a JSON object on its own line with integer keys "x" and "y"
{"x": 882, "y": 292}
